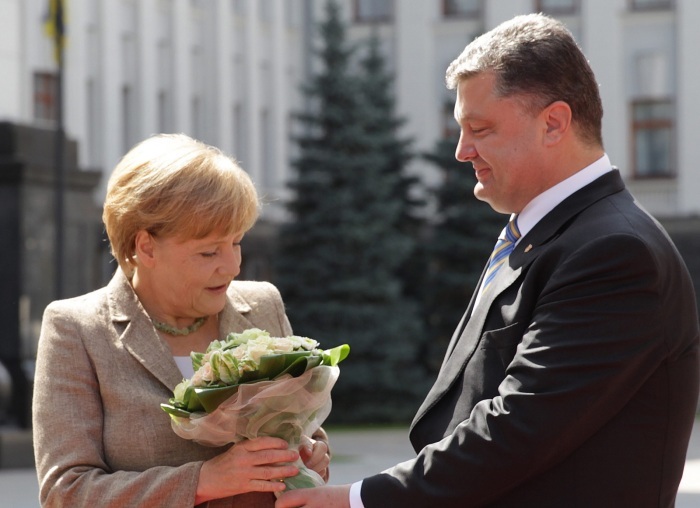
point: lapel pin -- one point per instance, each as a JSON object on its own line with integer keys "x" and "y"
{"x": 528, "y": 248}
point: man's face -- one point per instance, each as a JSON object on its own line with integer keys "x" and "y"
{"x": 503, "y": 142}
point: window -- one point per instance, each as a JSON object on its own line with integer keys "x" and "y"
{"x": 294, "y": 13}
{"x": 197, "y": 127}
{"x": 128, "y": 120}
{"x": 267, "y": 163}
{"x": 461, "y": 8}
{"x": 558, "y": 7}
{"x": 266, "y": 10}
{"x": 197, "y": 5}
{"x": 368, "y": 11}
{"x": 240, "y": 141}
{"x": 94, "y": 117}
{"x": 652, "y": 127}
{"x": 650, "y": 5}
{"x": 45, "y": 96}
{"x": 239, "y": 7}
{"x": 165, "y": 117}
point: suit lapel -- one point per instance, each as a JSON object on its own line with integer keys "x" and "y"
{"x": 467, "y": 341}
{"x": 467, "y": 336}
{"x": 462, "y": 323}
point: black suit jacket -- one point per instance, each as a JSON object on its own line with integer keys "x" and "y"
{"x": 573, "y": 383}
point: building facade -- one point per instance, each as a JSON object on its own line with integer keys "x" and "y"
{"x": 224, "y": 71}
{"x": 641, "y": 51}
{"x": 228, "y": 72}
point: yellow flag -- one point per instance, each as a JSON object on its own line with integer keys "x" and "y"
{"x": 55, "y": 27}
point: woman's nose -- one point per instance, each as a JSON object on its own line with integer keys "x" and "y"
{"x": 231, "y": 265}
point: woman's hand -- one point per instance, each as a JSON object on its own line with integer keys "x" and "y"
{"x": 315, "y": 455}
{"x": 250, "y": 466}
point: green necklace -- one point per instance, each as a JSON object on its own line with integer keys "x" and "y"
{"x": 171, "y": 330}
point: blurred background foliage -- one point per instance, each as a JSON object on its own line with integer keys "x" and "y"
{"x": 358, "y": 262}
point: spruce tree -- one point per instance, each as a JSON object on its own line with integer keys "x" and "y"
{"x": 340, "y": 252}
{"x": 384, "y": 126}
{"x": 460, "y": 244}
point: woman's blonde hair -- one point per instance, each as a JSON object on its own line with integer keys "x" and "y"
{"x": 174, "y": 186}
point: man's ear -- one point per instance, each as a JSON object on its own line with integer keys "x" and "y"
{"x": 143, "y": 248}
{"x": 557, "y": 117}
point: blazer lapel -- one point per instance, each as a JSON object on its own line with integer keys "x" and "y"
{"x": 140, "y": 338}
{"x": 234, "y": 316}
{"x": 137, "y": 333}
{"x": 467, "y": 336}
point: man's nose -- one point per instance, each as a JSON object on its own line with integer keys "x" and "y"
{"x": 465, "y": 151}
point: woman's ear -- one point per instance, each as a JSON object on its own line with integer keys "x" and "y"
{"x": 557, "y": 117}
{"x": 143, "y": 247}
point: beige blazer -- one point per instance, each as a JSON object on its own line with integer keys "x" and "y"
{"x": 100, "y": 436}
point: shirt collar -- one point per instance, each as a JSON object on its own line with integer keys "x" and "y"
{"x": 544, "y": 203}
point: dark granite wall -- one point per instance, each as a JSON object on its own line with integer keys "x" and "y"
{"x": 27, "y": 247}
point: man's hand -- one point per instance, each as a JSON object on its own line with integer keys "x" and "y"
{"x": 321, "y": 497}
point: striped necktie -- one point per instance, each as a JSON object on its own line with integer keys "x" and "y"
{"x": 501, "y": 251}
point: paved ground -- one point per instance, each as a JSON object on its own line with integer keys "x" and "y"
{"x": 356, "y": 454}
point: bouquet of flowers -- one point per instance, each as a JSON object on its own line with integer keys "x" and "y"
{"x": 253, "y": 385}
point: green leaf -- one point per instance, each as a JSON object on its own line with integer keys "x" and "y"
{"x": 191, "y": 401}
{"x": 301, "y": 365}
{"x": 336, "y": 355}
{"x": 211, "y": 397}
{"x": 272, "y": 366}
{"x": 175, "y": 411}
{"x": 197, "y": 359}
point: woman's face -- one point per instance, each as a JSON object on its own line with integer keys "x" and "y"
{"x": 189, "y": 277}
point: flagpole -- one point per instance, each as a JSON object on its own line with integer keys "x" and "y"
{"x": 58, "y": 166}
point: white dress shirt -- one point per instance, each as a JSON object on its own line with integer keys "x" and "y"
{"x": 533, "y": 212}
{"x": 541, "y": 205}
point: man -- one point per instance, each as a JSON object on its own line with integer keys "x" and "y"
{"x": 572, "y": 380}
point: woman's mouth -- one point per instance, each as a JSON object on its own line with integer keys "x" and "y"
{"x": 218, "y": 289}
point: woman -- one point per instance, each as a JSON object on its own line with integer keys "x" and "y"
{"x": 175, "y": 213}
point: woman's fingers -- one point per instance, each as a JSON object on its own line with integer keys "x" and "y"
{"x": 315, "y": 456}
{"x": 265, "y": 450}
{"x": 257, "y": 465}
{"x": 264, "y": 443}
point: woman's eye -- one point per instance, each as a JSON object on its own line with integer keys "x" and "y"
{"x": 209, "y": 254}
